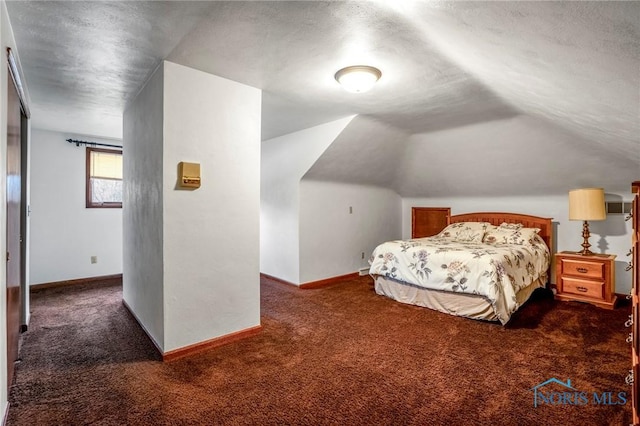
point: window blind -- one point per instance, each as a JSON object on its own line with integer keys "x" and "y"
{"x": 106, "y": 166}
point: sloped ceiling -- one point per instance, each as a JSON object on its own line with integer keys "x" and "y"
{"x": 523, "y": 155}
{"x": 562, "y": 76}
{"x": 576, "y": 64}
{"x": 367, "y": 152}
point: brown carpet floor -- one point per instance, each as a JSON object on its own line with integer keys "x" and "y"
{"x": 339, "y": 355}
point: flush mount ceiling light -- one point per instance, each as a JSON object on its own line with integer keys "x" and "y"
{"x": 358, "y": 78}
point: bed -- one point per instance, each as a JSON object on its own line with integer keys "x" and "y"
{"x": 481, "y": 266}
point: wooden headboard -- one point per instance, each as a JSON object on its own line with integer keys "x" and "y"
{"x": 496, "y": 218}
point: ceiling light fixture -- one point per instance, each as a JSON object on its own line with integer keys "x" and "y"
{"x": 358, "y": 78}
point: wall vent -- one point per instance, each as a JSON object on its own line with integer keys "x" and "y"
{"x": 618, "y": 207}
{"x": 614, "y": 207}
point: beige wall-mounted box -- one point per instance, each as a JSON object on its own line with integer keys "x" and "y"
{"x": 188, "y": 175}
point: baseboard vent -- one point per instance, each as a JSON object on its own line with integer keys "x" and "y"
{"x": 363, "y": 271}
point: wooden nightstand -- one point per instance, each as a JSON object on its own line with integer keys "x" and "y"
{"x": 586, "y": 278}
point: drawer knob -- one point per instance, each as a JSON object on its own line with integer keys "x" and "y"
{"x": 629, "y": 266}
{"x": 629, "y": 379}
{"x": 630, "y": 338}
{"x": 629, "y": 322}
{"x": 582, "y": 289}
{"x": 582, "y": 270}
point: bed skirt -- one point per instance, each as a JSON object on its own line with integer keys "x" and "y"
{"x": 459, "y": 304}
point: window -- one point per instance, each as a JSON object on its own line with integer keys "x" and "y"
{"x": 104, "y": 178}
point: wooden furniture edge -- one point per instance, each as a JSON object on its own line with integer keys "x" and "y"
{"x": 64, "y": 283}
{"x": 635, "y": 293}
{"x": 313, "y": 284}
{"x": 211, "y": 343}
{"x": 496, "y": 218}
{"x": 328, "y": 281}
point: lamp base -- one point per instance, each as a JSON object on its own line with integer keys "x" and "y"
{"x": 585, "y": 243}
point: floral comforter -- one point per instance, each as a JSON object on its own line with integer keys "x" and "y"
{"x": 494, "y": 271}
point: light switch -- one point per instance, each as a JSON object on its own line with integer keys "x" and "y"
{"x": 188, "y": 175}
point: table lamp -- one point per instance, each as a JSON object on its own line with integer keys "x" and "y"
{"x": 586, "y": 204}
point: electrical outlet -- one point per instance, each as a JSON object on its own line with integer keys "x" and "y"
{"x": 363, "y": 255}
{"x": 350, "y": 210}
{"x": 94, "y": 259}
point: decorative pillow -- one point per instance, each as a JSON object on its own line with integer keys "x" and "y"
{"x": 507, "y": 235}
{"x": 466, "y": 232}
{"x": 537, "y": 241}
{"x": 514, "y": 226}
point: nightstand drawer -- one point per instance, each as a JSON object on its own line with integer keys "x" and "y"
{"x": 592, "y": 289}
{"x": 583, "y": 268}
{"x": 586, "y": 278}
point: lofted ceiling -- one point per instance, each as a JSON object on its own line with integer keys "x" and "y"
{"x": 557, "y": 68}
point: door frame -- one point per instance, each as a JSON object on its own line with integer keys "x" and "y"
{"x": 24, "y": 221}
{"x": 14, "y": 80}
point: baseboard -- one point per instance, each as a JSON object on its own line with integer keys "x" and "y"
{"x": 276, "y": 279}
{"x": 107, "y": 278}
{"x": 623, "y": 296}
{"x": 210, "y": 344}
{"x": 196, "y": 347}
{"x": 329, "y": 281}
{"x": 6, "y": 413}
{"x": 313, "y": 284}
{"x": 146, "y": 332}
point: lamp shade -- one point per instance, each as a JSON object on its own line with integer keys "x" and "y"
{"x": 587, "y": 204}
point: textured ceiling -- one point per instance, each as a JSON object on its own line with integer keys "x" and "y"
{"x": 572, "y": 68}
{"x": 83, "y": 60}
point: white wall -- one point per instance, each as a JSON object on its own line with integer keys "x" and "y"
{"x": 64, "y": 233}
{"x": 284, "y": 160}
{"x": 142, "y": 285}
{"x": 211, "y": 235}
{"x": 192, "y": 256}
{"x": 339, "y": 222}
{"x": 612, "y": 235}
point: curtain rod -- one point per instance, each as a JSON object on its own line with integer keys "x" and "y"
{"x": 78, "y": 143}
